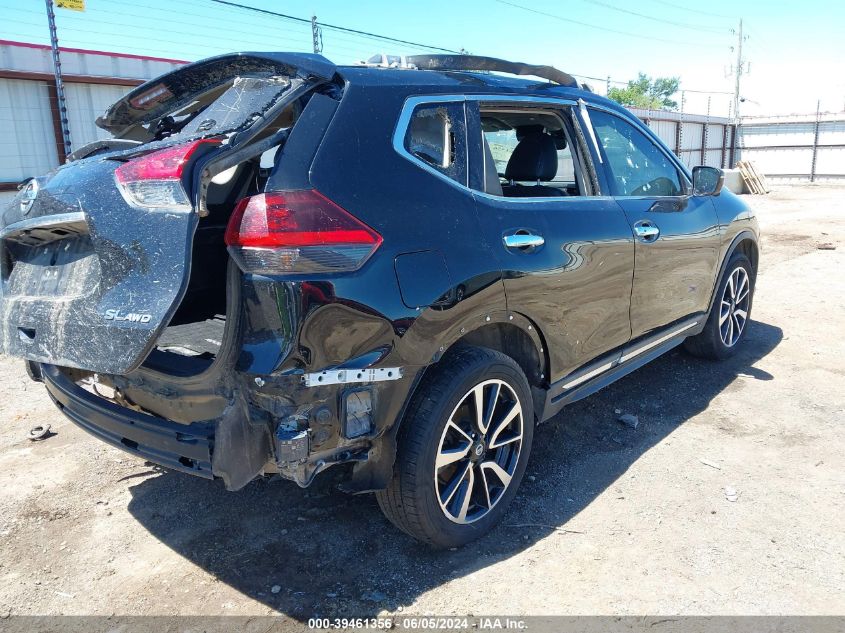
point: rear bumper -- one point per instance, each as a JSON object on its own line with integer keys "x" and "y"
{"x": 186, "y": 448}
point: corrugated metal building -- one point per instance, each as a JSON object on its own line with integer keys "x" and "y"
{"x": 797, "y": 147}
{"x": 30, "y": 131}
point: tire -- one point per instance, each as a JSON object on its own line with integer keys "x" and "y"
{"x": 719, "y": 339}
{"x": 431, "y": 503}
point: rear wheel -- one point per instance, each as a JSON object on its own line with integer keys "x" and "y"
{"x": 726, "y": 324}
{"x": 463, "y": 448}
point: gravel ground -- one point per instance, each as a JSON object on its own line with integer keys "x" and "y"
{"x": 611, "y": 520}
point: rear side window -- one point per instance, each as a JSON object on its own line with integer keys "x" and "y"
{"x": 637, "y": 165}
{"x": 436, "y": 135}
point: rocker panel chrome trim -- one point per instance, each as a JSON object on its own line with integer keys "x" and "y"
{"x": 629, "y": 354}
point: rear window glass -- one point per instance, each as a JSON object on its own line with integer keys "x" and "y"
{"x": 436, "y": 135}
{"x": 247, "y": 99}
{"x": 430, "y": 136}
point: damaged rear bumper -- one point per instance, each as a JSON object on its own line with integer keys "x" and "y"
{"x": 186, "y": 448}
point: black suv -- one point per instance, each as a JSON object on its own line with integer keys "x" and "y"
{"x": 278, "y": 265}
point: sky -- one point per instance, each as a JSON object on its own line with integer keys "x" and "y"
{"x": 796, "y": 50}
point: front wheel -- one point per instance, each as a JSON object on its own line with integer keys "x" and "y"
{"x": 463, "y": 448}
{"x": 728, "y": 319}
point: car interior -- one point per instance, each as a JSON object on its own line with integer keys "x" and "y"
{"x": 527, "y": 155}
{"x": 193, "y": 337}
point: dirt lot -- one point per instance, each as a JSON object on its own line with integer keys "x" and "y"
{"x": 611, "y": 521}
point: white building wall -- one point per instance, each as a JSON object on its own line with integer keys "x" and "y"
{"x": 85, "y": 102}
{"x": 27, "y": 138}
{"x": 27, "y": 144}
{"x": 782, "y": 147}
{"x": 666, "y": 130}
{"x": 30, "y": 58}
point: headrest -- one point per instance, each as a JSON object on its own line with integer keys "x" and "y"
{"x": 527, "y": 130}
{"x": 534, "y": 158}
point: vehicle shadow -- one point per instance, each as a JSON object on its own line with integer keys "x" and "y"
{"x": 321, "y": 552}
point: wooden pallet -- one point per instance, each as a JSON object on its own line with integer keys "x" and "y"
{"x": 754, "y": 180}
{"x": 761, "y": 178}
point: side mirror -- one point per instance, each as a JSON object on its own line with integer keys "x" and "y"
{"x": 707, "y": 181}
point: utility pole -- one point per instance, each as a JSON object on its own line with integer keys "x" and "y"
{"x": 815, "y": 141}
{"x": 316, "y": 35}
{"x": 57, "y": 72}
{"x": 739, "y": 69}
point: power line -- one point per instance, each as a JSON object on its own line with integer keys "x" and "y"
{"x": 653, "y": 18}
{"x": 334, "y": 27}
{"x": 593, "y": 26}
{"x": 345, "y": 34}
{"x": 706, "y": 92}
{"x": 273, "y": 31}
{"x": 93, "y": 32}
{"x": 217, "y": 38}
{"x": 698, "y": 11}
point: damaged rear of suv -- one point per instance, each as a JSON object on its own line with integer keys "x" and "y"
{"x": 142, "y": 280}
{"x": 277, "y": 265}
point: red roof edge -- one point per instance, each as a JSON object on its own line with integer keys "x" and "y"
{"x": 92, "y": 52}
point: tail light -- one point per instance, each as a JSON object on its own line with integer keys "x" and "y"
{"x": 155, "y": 180}
{"x": 297, "y": 232}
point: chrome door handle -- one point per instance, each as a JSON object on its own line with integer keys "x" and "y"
{"x": 523, "y": 240}
{"x": 646, "y": 231}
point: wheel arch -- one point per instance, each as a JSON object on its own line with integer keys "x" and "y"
{"x": 510, "y": 333}
{"x": 746, "y": 243}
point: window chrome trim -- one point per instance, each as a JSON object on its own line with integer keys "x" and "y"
{"x": 411, "y": 104}
{"x": 585, "y": 114}
{"x": 401, "y": 131}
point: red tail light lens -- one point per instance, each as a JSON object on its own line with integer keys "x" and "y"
{"x": 297, "y": 232}
{"x": 155, "y": 180}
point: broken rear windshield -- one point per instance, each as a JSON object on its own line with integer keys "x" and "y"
{"x": 246, "y": 100}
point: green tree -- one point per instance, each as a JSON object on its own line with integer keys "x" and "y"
{"x": 643, "y": 92}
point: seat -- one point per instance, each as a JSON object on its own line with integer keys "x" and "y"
{"x": 491, "y": 176}
{"x": 534, "y": 159}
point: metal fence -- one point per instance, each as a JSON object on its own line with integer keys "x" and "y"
{"x": 798, "y": 147}
{"x": 695, "y": 138}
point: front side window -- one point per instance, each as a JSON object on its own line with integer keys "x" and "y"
{"x": 637, "y": 166}
{"x": 435, "y": 136}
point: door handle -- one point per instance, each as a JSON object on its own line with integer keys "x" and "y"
{"x": 646, "y": 231}
{"x": 523, "y": 240}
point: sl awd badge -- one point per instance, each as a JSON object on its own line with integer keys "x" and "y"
{"x": 132, "y": 317}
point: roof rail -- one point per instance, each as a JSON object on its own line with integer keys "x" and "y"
{"x": 478, "y": 62}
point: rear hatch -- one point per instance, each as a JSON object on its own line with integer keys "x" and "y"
{"x": 95, "y": 257}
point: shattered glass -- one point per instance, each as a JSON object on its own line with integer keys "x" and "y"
{"x": 244, "y": 102}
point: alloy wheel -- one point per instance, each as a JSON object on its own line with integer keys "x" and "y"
{"x": 479, "y": 451}
{"x": 733, "y": 310}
